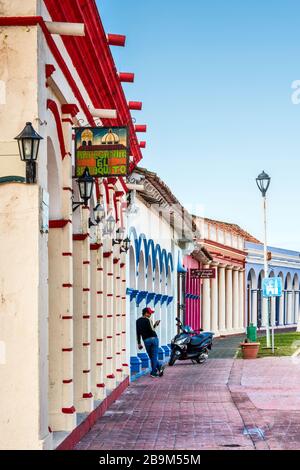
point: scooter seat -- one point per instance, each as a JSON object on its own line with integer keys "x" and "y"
{"x": 196, "y": 340}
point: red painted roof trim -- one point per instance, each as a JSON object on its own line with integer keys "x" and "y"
{"x": 98, "y": 74}
{"x": 38, "y": 20}
{"x": 116, "y": 40}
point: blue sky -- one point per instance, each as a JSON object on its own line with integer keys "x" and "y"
{"x": 215, "y": 79}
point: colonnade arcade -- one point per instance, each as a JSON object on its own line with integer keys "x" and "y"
{"x": 223, "y": 300}
{"x": 86, "y": 288}
{"x": 284, "y": 309}
{"x": 151, "y": 283}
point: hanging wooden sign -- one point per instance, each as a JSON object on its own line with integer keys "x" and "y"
{"x": 103, "y": 150}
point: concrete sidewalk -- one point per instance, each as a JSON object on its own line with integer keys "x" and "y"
{"x": 222, "y": 404}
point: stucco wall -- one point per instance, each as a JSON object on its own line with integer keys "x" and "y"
{"x": 18, "y": 104}
{"x": 23, "y": 320}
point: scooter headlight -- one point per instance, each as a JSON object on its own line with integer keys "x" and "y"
{"x": 182, "y": 341}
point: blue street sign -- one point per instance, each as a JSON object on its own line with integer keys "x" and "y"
{"x": 272, "y": 287}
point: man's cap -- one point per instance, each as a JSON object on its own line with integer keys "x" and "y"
{"x": 148, "y": 310}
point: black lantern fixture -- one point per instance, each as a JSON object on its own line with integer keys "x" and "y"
{"x": 99, "y": 214}
{"x": 263, "y": 182}
{"x": 29, "y": 142}
{"x": 85, "y": 184}
{"x": 109, "y": 226}
{"x": 119, "y": 238}
{"x": 125, "y": 245}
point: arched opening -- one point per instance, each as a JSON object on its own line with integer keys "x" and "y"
{"x": 59, "y": 304}
{"x": 132, "y": 303}
{"x": 170, "y": 308}
{"x": 296, "y": 298}
{"x": 54, "y": 182}
{"x": 288, "y": 301}
{"x": 163, "y": 310}
{"x": 149, "y": 276}
{"x": 141, "y": 273}
{"x": 261, "y": 302}
{"x": 280, "y": 304}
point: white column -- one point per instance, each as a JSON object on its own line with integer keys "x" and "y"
{"x": 236, "y": 300}
{"x": 82, "y": 332}
{"x": 241, "y": 323}
{"x": 125, "y": 316}
{"x": 98, "y": 329}
{"x": 110, "y": 378}
{"x": 164, "y": 324}
{"x": 295, "y": 304}
{"x": 229, "y": 309}
{"x": 289, "y": 307}
{"x": 222, "y": 300}
{"x": 264, "y": 316}
{"x": 281, "y": 309}
{"x": 206, "y": 305}
{"x": 214, "y": 303}
{"x": 298, "y": 313}
{"x": 253, "y": 306}
{"x": 117, "y": 325}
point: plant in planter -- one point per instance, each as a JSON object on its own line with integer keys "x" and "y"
{"x": 249, "y": 349}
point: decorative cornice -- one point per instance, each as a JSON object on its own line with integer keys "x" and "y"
{"x": 59, "y": 223}
{"x": 70, "y": 109}
{"x": 80, "y": 236}
{"x": 49, "y": 70}
{"x": 95, "y": 246}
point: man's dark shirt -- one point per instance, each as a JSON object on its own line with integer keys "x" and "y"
{"x": 144, "y": 329}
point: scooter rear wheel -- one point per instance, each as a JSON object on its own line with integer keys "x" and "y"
{"x": 203, "y": 357}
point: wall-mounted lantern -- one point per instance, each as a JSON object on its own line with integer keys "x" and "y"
{"x": 109, "y": 227}
{"x": 99, "y": 214}
{"x": 29, "y": 142}
{"x": 125, "y": 245}
{"x": 85, "y": 184}
{"x": 119, "y": 236}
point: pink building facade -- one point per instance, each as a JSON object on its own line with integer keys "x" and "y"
{"x": 192, "y": 293}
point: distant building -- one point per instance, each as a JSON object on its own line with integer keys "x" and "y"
{"x": 284, "y": 264}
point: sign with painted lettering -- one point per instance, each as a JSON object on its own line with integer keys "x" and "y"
{"x": 272, "y": 287}
{"x": 209, "y": 273}
{"x": 103, "y": 150}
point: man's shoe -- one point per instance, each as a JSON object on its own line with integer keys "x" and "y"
{"x": 154, "y": 376}
{"x": 161, "y": 370}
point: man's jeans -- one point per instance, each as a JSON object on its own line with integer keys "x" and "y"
{"x": 151, "y": 345}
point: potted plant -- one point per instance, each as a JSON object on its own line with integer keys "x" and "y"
{"x": 249, "y": 349}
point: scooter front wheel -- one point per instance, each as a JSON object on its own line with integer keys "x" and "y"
{"x": 172, "y": 359}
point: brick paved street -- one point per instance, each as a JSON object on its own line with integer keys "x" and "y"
{"x": 223, "y": 404}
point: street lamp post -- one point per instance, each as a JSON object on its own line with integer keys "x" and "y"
{"x": 263, "y": 182}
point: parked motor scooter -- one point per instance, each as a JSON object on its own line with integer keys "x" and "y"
{"x": 190, "y": 345}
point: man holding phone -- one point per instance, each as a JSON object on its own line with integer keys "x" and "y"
{"x": 145, "y": 329}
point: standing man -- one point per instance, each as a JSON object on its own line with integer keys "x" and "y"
{"x": 146, "y": 329}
